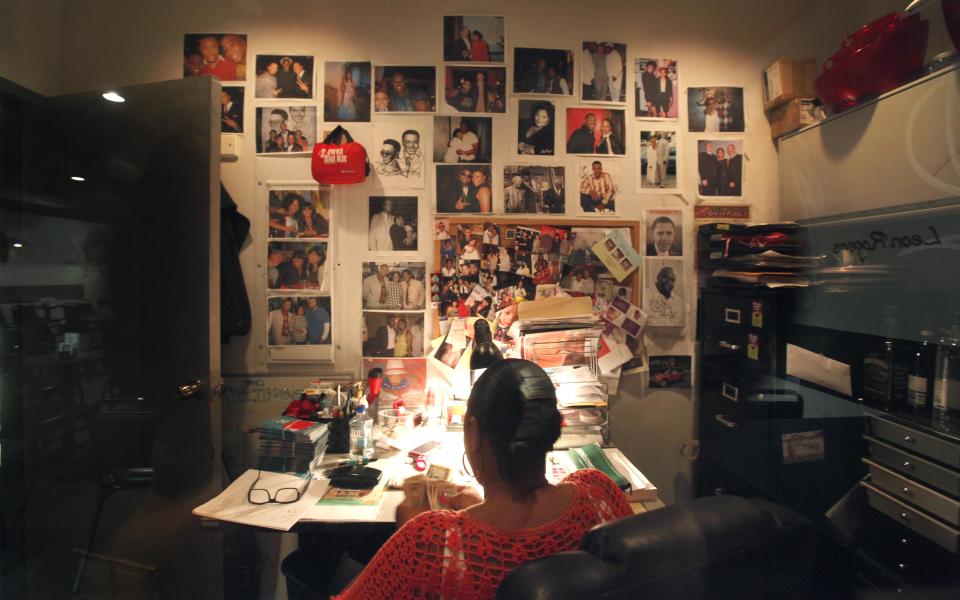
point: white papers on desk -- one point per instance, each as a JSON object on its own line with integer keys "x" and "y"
{"x": 232, "y": 505}
{"x": 577, "y": 385}
{"x": 818, "y": 369}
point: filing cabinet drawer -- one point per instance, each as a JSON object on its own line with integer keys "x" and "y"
{"x": 938, "y": 533}
{"x": 747, "y": 397}
{"x": 736, "y": 349}
{"x": 915, "y": 467}
{"x": 915, "y": 441}
{"x": 729, "y": 310}
{"x": 914, "y": 493}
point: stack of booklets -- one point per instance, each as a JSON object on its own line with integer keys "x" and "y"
{"x": 610, "y": 461}
{"x": 288, "y": 444}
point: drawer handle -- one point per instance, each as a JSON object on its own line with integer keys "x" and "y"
{"x": 909, "y": 439}
{"x": 728, "y": 345}
{"x": 905, "y": 517}
{"x": 908, "y": 465}
{"x": 730, "y": 392}
{"x": 902, "y": 566}
{"x": 906, "y": 491}
{"x": 725, "y": 420}
{"x": 904, "y": 542}
{"x": 731, "y": 315}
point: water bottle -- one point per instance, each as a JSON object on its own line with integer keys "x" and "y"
{"x": 946, "y": 384}
{"x": 361, "y": 433}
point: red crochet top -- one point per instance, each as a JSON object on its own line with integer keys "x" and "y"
{"x": 449, "y": 554}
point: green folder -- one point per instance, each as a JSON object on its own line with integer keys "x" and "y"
{"x": 593, "y": 457}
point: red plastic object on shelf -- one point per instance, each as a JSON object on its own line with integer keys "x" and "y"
{"x": 877, "y": 58}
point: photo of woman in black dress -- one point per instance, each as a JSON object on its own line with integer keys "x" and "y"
{"x": 535, "y": 133}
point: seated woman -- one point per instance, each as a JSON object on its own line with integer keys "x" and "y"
{"x": 510, "y": 424}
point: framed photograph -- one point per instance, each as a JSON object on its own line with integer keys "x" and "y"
{"x": 469, "y": 38}
{"x": 393, "y": 334}
{"x": 596, "y": 131}
{"x": 598, "y": 186}
{"x": 286, "y": 129}
{"x": 664, "y": 228}
{"x": 222, "y": 55}
{"x": 284, "y": 76}
{"x": 404, "y": 379}
{"x": 535, "y": 127}
{"x": 657, "y": 88}
{"x": 720, "y": 168}
{"x": 462, "y": 139}
{"x": 715, "y": 109}
{"x": 394, "y": 285}
{"x": 346, "y": 91}
{"x": 603, "y": 70}
{"x": 534, "y": 189}
{"x": 298, "y": 212}
{"x": 298, "y": 266}
{"x": 393, "y": 224}
{"x": 475, "y": 89}
{"x": 401, "y": 89}
{"x": 464, "y": 189}
{"x": 398, "y": 161}
{"x": 670, "y": 371}
{"x": 542, "y": 71}
{"x": 299, "y": 321}
{"x": 231, "y": 109}
{"x": 662, "y": 292}
{"x": 658, "y": 161}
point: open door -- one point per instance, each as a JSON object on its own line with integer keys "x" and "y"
{"x": 114, "y": 295}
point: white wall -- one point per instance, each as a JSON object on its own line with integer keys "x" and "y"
{"x": 107, "y": 43}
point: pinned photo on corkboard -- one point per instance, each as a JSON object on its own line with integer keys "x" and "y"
{"x": 534, "y": 189}
{"x": 658, "y": 164}
{"x": 542, "y": 71}
{"x": 475, "y": 89}
{"x": 664, "y": 232}
{"x": 394, "y": 285}
{"x": 399, "y": 161}
{"x": 656, "y": 88}
{"x": 469, "y": 38}
{"x": 346, "y": 91}
{"x": 231, "y": 109}
{"x": 286, "y": 129}
{"x": 464, "y": 189}
{"x": 393, "y": 334}
{"x": 393, "y": 224}
{"x": 720, "y": 168}
{"x": 399, "y": 89}
{"x": 462, "y": 139}
{"x": 715, "y": 109}
{"x": 596, "y": 131}
{"x": 598, "y": 182}
{"x": 222, "y": 55}
{"x": 299, "y": 321}
{"x": 298, "y": 266}
{"x": 603, "y": 69}
{"x": 295, "y": 212}
{"x": 284, "y": 76}
{"x": 535, "y": 127}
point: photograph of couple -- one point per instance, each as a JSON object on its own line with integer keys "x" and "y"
{"x": 297, "y": 266}
{"x": 657, "y": 88}
{"x": 715, "y": 109}
{"x": 284, "y": 76}
{"x": 473, "y": 39}
{"x": 231, "y": 109}
{"x": 222, "y": 55}
{"x": 476, "y": 89}
{"x": 398, "y": 335}
{"x": 393, "y": 224}
{"x": 464, "y": 189}
{"x": 541, "y": 71}
{"x": 720, "y": 167}
{"x": 298, "y": 320}
{"x": 462, "y": 139}
{"x": 603, "y": 70}
{"x": 658, "y": 161}
{"x": 394, "y": 286}
{"x": 346, "y": 91}
{"x": 286, "y": 129}
{"x": 400, "y": 161}
{"x": 298, "y": 214}
{"x": 595, "y": 131}
{"x": 405, "y": 89}
{"x": 530, "y": 189}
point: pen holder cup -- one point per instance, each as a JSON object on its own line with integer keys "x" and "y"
{"x": 339, "y": 440}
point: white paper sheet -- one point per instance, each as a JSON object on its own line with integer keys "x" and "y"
{"x": 818, "y": 369}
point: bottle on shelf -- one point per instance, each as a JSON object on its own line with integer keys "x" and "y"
{"x": 946, "y": 385}
{"x": 485, "y": 352}
{"x": 920, "y": 380}
{"x": 886, "y": 366}
{"x": 361, "y": 432}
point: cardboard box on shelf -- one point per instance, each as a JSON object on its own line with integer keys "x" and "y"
{"x": 786, "y": 79}
{"x": 791, "y": 116}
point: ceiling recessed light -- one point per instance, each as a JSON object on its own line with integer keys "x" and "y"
{"x": 113, "y": 97}
{"x": 77, "y": 178}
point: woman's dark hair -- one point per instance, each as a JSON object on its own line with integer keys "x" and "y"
{"x": 515, "y": 403}
{"x": 541, "y": 106}
{"x": 319, "y": 251}
{"x": 290, "y": 198}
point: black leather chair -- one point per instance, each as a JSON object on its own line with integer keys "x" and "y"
{"x": 713, "y": 547}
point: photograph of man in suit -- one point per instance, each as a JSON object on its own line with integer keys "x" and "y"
{"x": 581, "y": 140}
{"x": 732, "y": 185}
{"x": 663, "y": 239}
{"x": 707, "y": 169}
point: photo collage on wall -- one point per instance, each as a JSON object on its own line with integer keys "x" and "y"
{"x": 224, "y": 56}
{"x": 298, "y": 266}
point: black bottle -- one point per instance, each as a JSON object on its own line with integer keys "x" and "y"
{"x": 485, "y": 352}
{"x": 886, "y": 366}
{"x": 920, "y": 380}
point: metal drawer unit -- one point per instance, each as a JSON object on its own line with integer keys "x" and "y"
{"x": 932, "y": 529}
